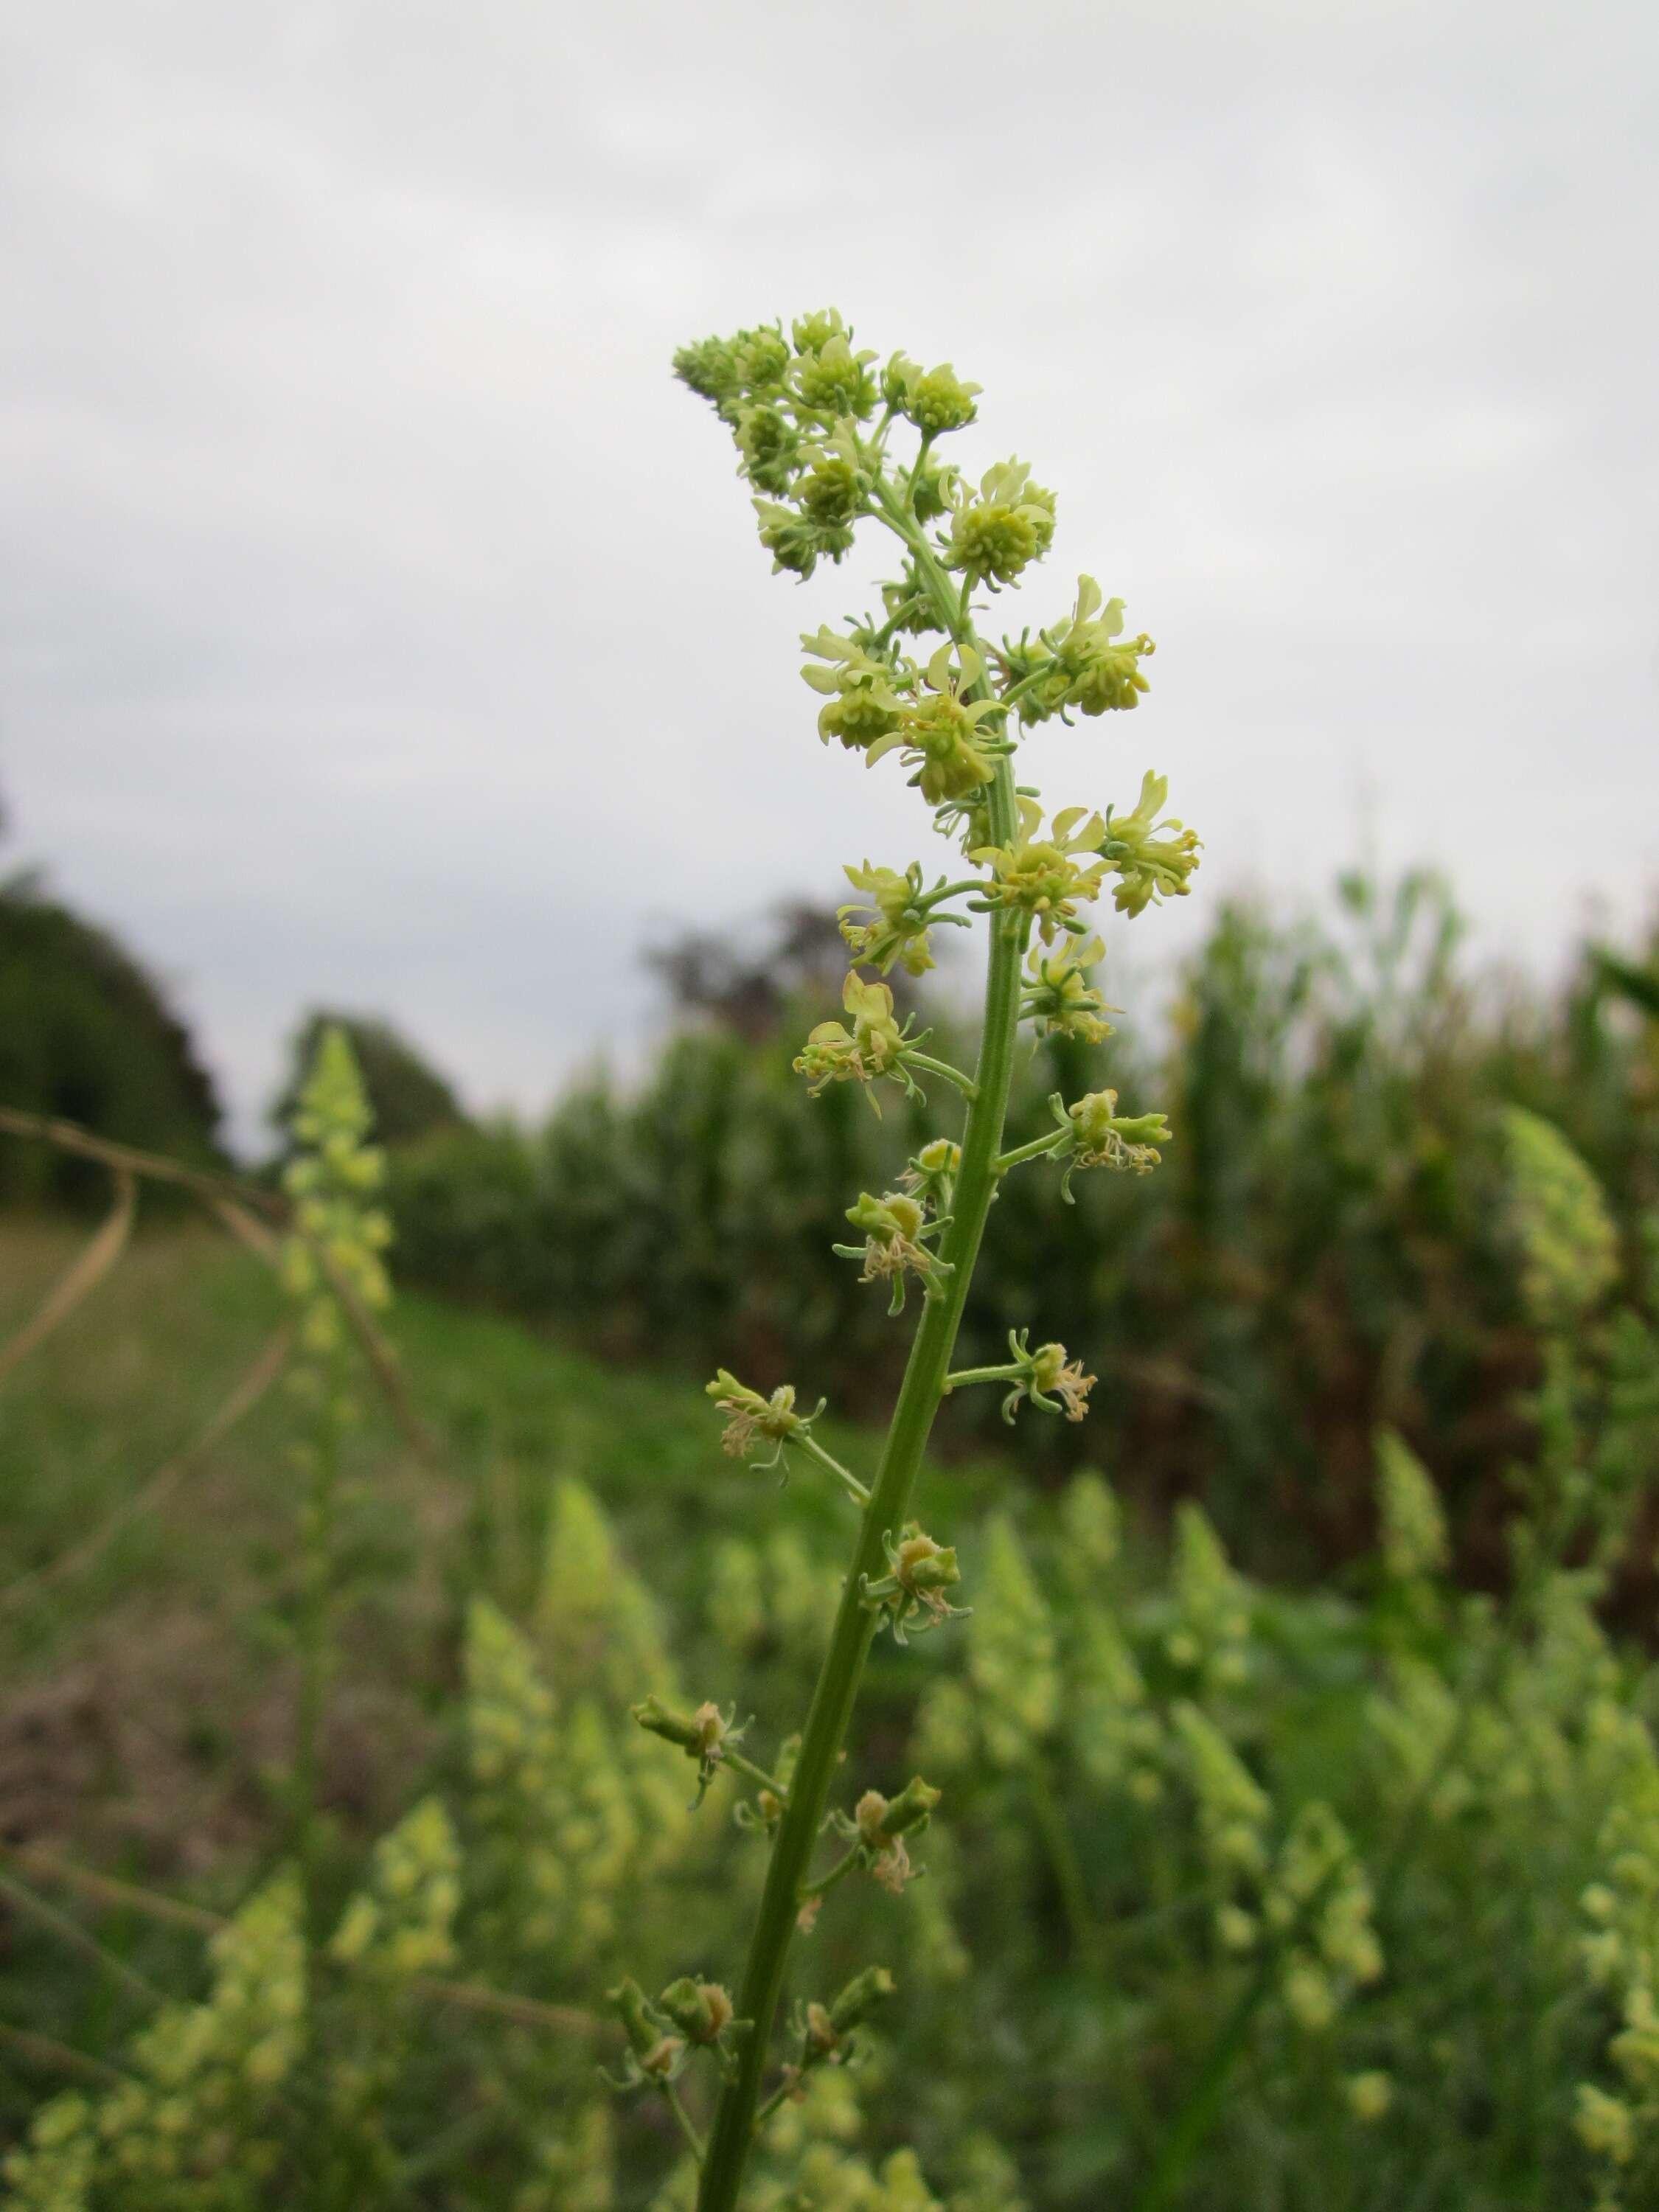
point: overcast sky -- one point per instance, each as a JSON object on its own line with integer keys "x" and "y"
{"x": 379, "y": 623}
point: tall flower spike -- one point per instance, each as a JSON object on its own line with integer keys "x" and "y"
{"x": 794, "y": 407}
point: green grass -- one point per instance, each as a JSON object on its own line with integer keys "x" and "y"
{"x": 146, "y": 1694}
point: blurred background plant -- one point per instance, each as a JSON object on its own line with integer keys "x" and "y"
{"x": 1322, "y": 1252}
{"x": 1254, "y": 1891}
{"x": 1333, "y": 1888}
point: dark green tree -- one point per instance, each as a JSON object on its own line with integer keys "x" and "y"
{"x": 87, "y": 1035}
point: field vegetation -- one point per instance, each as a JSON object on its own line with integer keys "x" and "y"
{"x": 454, "y": 1754}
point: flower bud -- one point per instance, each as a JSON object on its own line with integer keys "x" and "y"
{"x": 701, "y": 2010}
{"x": 936, "y": 400}
{"x": 860, "y": 1997}
{"x": 655, "y": 2055}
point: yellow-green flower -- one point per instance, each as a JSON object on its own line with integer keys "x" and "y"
{"x": 943, "y": 733}
{"x": 935, "y": 399}
{"x": 1010, "y": 524}
{"x": 1098, "y": 1136}
{"x": 770, "y": 447}
{"x": 828, "y": 378}
{"x": 1605, "y": 2125}
{"x": 795, "y": 542}
{"x": 873, "y": 1045}
{"x": 750, "y": 1417}
{"x": 862, "y": 703}
{"x": 1152, "y": 859}
{"x": 898, "y": 927}
{"x": 1058, "y": 997}
{"x": 893, "y": 1227}
{"x": 1043, "y": 875}
{"x": 834, "y": 486}
{"x": 1082, "y": 662}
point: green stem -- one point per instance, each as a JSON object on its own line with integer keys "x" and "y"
{"x": 965, "y": 1084}
{"x": 1203, "y": 2100}
{"x": 1202, "y": 2103}
{"x": 1068, "y": 1868}
{"x": 844, "y": 1475}
{"x": 826, "y": 1882}
{"x": 317, "y": 1552}
{"x": 672, "y": 2095}
{"x": 951, "y": 890}
{"x": 966, "y": 1375}
{"x": 779, "y": 2098}
{"x": 757, "y": 1775}
{"x": 907, "y": 1438}
{"x": 1035, "y": 1150}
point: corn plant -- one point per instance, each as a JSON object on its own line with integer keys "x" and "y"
{"x": 824, "y": 439}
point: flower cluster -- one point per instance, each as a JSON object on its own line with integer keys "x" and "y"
{"x": 1059, "y": 1001}
{"x": 1080, "y": 663}
{"x": 872, "y": 1047}
{"x": 999, "y": 533}
{"x": 1152, "y": 859}
{"x": 912, "y": 1591}
{"x": 1011, "y": 1654}
{"x": 402, "y": 1923}
{"x": 900, "y": 915}
{"x": 752, "y": 1419}
{"x": 1045, "y": 877}
{"x": 1415, "y": 1544}
{"x": 1096, "y": 1135}
{"x": 337, "y": 1234}
{"x": 1208, "y": 1635}
{"x": 200, "y": 2114}
{"x": 1569, "y": 1246}
{"x": 1619, "y": 2126}
{"x": 894, "y": 1227}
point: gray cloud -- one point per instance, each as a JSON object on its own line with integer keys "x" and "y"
{"x": 378, "y": 621}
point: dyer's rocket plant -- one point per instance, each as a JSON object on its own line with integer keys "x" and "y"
{"x": 829, "y": 443}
